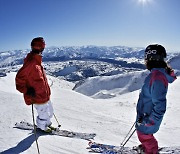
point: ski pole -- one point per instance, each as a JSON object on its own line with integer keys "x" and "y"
{"x": 35, "y": 130}
{"x": 129, "y": 138}
{"x": 122, "y": 147}
{"x": 128, "y": 133}
{"x": 57, "y": 120}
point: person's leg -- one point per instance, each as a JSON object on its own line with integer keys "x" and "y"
{"x": 50, "y": 112}
{"x": 43, "y": 118}
{"x": 149, "y": 143}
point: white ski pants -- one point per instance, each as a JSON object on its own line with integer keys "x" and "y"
{"x": 45, "y": 113}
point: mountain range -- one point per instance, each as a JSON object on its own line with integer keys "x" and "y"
{"x": 75, "y": 63}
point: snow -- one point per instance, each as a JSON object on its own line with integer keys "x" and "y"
{"x": 110, "y": 118}
{"x": 102, "y": 87}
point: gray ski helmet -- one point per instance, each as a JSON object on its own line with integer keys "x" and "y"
{"x": 155, "y": 52}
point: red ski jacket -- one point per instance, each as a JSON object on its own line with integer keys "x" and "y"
{"x": 32, "y": 75}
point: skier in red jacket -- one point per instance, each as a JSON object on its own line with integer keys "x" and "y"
{"x": 32, "y": 82}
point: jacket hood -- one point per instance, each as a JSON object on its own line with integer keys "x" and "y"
{"x": 33, "y": 56}
{"x": 170, "y": 77}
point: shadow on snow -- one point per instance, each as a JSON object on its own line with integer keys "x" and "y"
{"x": 23, "y": 145}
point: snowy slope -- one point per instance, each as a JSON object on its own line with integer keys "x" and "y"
{"x": 104, "y": 87}
{"x": 175, "y": 63}
{"x": 111, "y": 86}
{"x": 110, "y": 119}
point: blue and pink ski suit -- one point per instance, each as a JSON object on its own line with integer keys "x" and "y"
{"x": 151, "y": 105}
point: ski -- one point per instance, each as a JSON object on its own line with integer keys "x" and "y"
{"x": 66, "y": 133}
{"x": 94, "y": 147}
{"x": 109, "y": 149}
{"x": 169, "y": 150}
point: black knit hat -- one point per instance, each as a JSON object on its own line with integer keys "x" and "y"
{"x": 155, "y": 52}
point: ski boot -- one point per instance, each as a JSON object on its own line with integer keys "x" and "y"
{"x": 52, "y": 128}
{"x": 48, "y": 130}
{"x": 139, "y": 149}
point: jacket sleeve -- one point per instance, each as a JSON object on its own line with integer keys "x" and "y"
{"x": 139, "y": 106}
{"x": 158, "y": 92}
{"x": 21, "y": 80}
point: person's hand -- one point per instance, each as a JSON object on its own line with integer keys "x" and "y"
{"x": 146, "y": 122}
{"x": 31, "y": 92}
{"x": 139, "y": 121}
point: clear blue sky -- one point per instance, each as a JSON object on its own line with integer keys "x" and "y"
{"x": 90, "y": 22}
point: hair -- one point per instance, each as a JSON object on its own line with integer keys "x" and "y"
{"x": 158, "y": 64}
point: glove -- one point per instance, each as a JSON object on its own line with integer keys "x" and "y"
{"x": 145, "y": 121}
{"x": 142, "y": 120}
{"x": 139, "y": 121}
{"x": 31, "y": 92}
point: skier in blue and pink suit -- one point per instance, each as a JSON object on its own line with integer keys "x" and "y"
{"x": 151, "y": 105}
